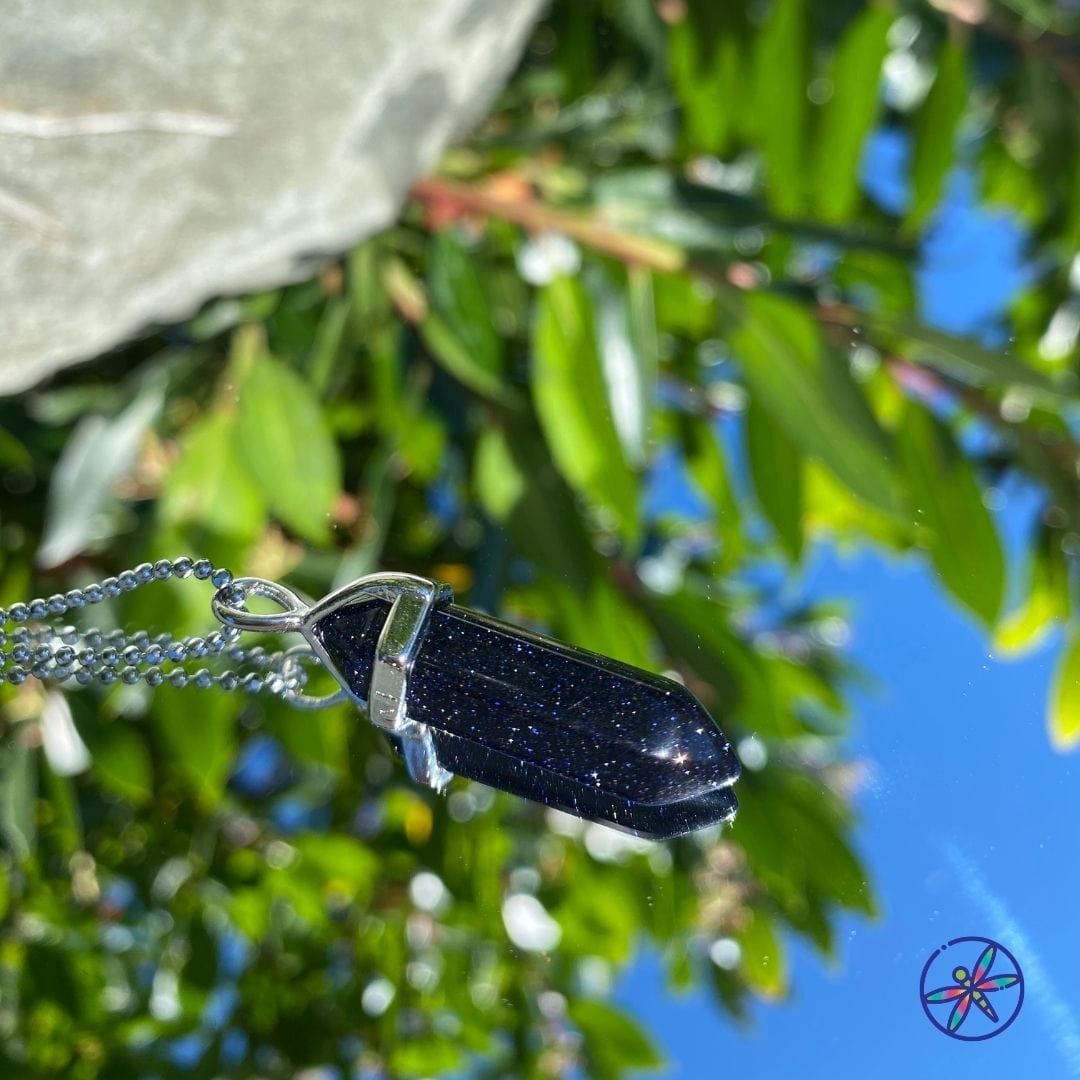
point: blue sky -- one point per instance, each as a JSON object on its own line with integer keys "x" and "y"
{"x": 963, "y": 780}
{"x": 967, "y": 824}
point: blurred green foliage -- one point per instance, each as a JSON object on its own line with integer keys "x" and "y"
{"x": 655, "y": 258}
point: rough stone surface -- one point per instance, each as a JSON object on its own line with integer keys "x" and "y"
{"x": 153, "y": 155}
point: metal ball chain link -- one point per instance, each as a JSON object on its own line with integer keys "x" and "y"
{"x": 60, "y": 653}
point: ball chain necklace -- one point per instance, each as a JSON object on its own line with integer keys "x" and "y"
{"x": 456, "y": 692}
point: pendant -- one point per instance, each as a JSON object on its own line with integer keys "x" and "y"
{"x": 458, "y": 692}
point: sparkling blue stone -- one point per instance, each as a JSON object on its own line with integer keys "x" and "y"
{"x": 549, "y": 722}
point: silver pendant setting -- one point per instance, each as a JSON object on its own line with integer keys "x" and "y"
{"x": 411, "y": 598}
{"x": 458, "y": 692}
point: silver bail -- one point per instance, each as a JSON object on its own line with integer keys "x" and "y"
{"x": 412, "y": 599}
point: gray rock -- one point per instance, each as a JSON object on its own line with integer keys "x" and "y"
{"x": 153, "y": 155}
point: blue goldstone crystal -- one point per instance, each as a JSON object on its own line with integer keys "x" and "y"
{"x": 555, "y": 724}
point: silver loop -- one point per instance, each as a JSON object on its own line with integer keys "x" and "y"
{"x": 412, "y": 600}
{"x": 288, "y": 620}
{"x": 291, "y": 661}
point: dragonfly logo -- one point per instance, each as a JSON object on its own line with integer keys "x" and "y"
{"x": 972, "y": 988}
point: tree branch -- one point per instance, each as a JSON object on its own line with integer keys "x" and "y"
{"x": 447, "y": 200}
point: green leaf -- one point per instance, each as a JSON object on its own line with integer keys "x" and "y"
{"x": 379, "y": 490}
{"x": 604, "y": 621}
{"x": 1047, "y": 599}
{"x": 218, "y": 316}
{"x": 460, "y": 299}
{"x": 780, "y": 68}
{"x": 425, "y": 1055}
{"x": 935, "y": 132}
{"x": 210, "y": 484}
{"x": 571, "y": 401}
{"x": 546, "y": 524}
{"x": 808, "y": 390}
{"x": 288, "y": 447}
{"x": 200, "y": 970}
{"x": 613, "y": 1041}
{"x": 1063, "y": 715}
{"x": 947, "y": 501}
{"x": 121, "y": 761}
{"x": 877, "y": 281}
{"x": 601, "y": 917}
{"x": 849, "y": 115}
{"x": 18, "y": 789}
{"x": 323, "y": 738}
{"x": 13, "y": 454}
{"x": 198, "y": 733}
{"x": 369, "y": 303}
{"x": 342, "y": 857}
{"x": 387, "y": 383}
{"x": 72, "y": 979}
{"x": 804, "y": 688}
{"x": 684, "y": 306}
{"x": 684, "y": 216}
{"x": 830, "y": 507}
{"x": 498, "y": 481}
{"x": 329, "y": 345}
{"x": 249, "y": 910}
{"x": 763, "y": 964}
{"x": 628, "y": 355}
{"x": 452, "y": 354}
{"x": 1006, "y": 182}
{"x": 694, "y": 630}
{"x": 97, "y": 454}
{"x": 470, "y": 354}
{"x": 708, "y": 469}
{"x": 424, "y": 444}
{"x": 707, "y": 72}
{"x": 776, "y": 468}
{"x": 1071, "y": 229}
{"x": 969, "y": 362}
{"x": 793, "y": 832}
